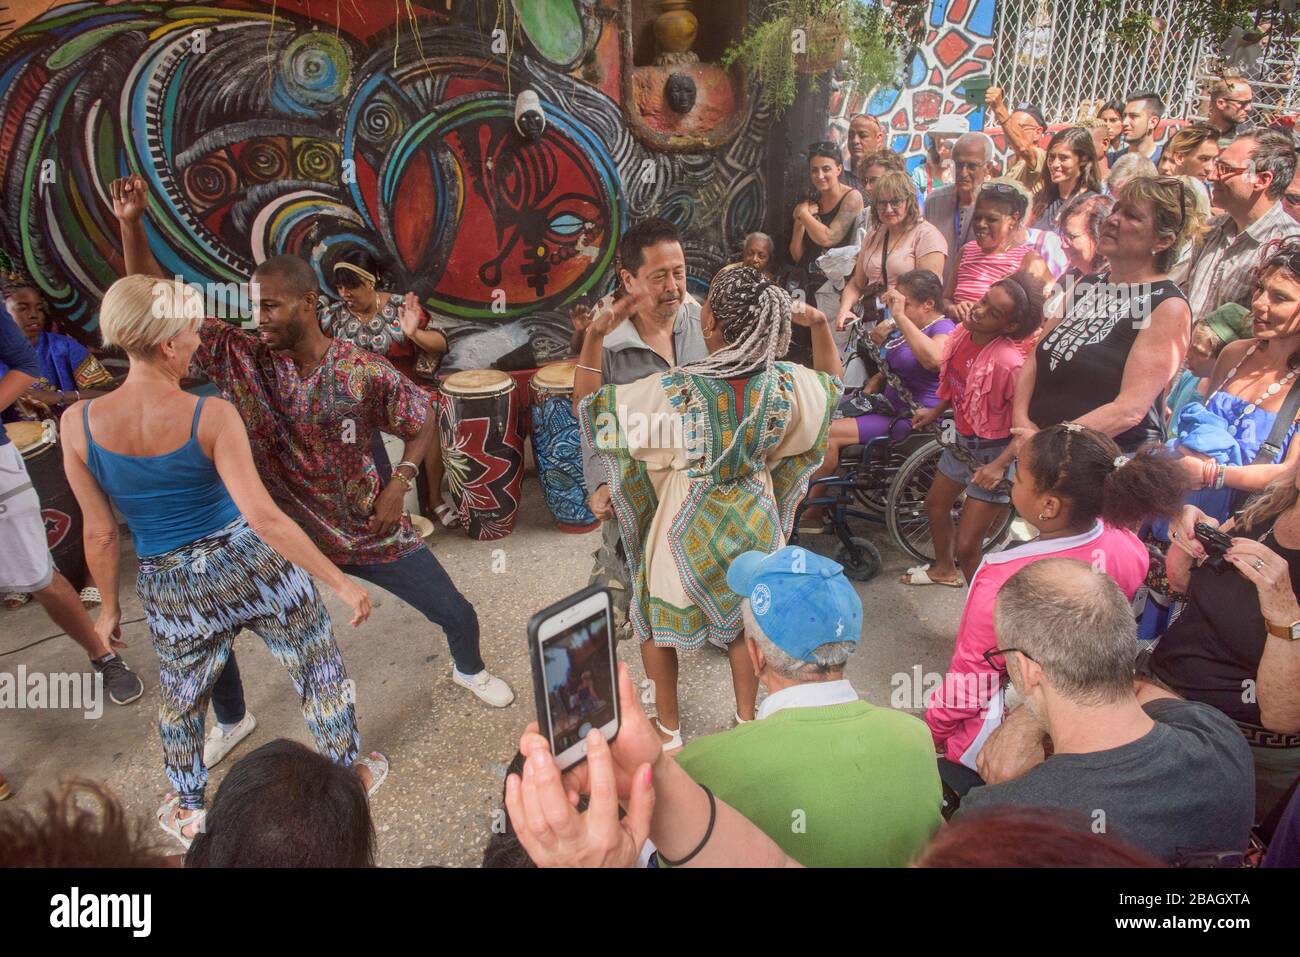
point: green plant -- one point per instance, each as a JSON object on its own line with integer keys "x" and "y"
{"x": 808, "y": 35}
{"x": 1212, "y": 20}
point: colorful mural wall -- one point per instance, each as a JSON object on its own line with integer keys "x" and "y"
{"x": 315, "y": 128}
{"x": 958, "y": 45}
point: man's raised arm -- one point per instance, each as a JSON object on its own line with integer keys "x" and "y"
{"x": 130, "y": 198}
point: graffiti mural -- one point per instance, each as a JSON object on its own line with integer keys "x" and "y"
{"x": 316, "y": 129}
{"x": 958, "y": 44}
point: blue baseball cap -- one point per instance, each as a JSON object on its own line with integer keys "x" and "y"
{"x": 800, "y": 599}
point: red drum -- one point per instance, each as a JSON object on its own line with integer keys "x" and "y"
{"x": 557, "y": 449}
{"x": 482, "y": 450}
{"x": 38, "y": 444}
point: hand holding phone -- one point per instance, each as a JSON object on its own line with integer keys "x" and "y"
{"x": 571, "y": 645}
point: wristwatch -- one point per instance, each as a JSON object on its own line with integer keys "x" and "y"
{"x": 1290, "y": 632}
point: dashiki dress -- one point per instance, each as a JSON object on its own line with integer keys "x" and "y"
{"x": 682, "y": 526}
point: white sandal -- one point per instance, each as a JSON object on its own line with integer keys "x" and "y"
{"x": 673, "y": 743}
{"x": 167, "y": 820}
{"x": 447, "y": 515}
{"x": 90, "y": 597}
{"x": 920, "y": 575}
{"x": 377, "y": 765}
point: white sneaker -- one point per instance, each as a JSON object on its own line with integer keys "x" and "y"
{"x": 486, "y": 685}
{"x": 220, "y": 743}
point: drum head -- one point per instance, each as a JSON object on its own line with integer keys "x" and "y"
{"x": 30, "y": 437}
{"x": 556, "y": 377}
{"x": 477, "y": 382}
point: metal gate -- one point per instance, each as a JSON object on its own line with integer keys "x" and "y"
{"x": 1049, "y": 53}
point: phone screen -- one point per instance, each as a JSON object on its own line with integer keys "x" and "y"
{"x": 579, "y": 680}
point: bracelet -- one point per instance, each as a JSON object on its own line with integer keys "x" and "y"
{"x": 713, "y": 817}
{"x": 415, "y": 469}
{"x": 1221, "y": 477}
{"x": 408, "y": 482}
{"x": 1207, "y": 473}
{"x": 588, "y": 368}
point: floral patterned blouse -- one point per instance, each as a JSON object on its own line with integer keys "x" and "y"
{"x": 311, "y": 435}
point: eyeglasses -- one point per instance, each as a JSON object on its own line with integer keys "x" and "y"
{"x": 1225, "y": 171}
{"x": 997, "y": 657}
{"x": 891, "y": 203}
{"x": 962, "y": 164}
{"x": 1292, "y": 198}
{"x": 1242, "y": 103}
{"x": 1003, "y": 188}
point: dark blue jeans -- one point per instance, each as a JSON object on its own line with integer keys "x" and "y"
{"x": 420, "y": 581}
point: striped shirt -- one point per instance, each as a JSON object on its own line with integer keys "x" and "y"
{"x": 1223, "y": 270}
{"x": 977, "y": 270}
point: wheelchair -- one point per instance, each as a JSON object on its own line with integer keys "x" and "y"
{"x": 885, "y": 482}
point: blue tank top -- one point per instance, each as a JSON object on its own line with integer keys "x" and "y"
{"x": 167, "y": 500}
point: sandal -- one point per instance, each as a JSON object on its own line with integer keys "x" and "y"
{"x": 447, "y": 515}
{"x": 5, "y": 789}
{"x": 168, "y": 822}
{"x": 920, "y": 575}
{"x": 674, "y": 743}
{"x": 90, "y": 597}
{"x": 377, "y": 765}
{"x": 16, "y": 599}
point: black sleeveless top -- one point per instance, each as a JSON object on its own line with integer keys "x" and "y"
{"x": 812, "y": 277}
{"x": 1081, "y": 361}
{"x": 1211, "y": 653}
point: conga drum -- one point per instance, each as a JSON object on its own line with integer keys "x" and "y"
{"x": 38, "y": 444}
{"x": 557, "y": 449}
{"x": 482, "y": 451}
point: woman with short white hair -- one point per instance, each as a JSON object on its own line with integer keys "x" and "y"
{"x": 216, "y": 554}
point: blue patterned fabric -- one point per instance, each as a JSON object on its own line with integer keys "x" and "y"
{"x": 196, "y": 600}
{"x": 559, "y": 460}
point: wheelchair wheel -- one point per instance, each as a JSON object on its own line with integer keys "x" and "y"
{"x": 860, "y": 558}
{"x": 905, "y": 514}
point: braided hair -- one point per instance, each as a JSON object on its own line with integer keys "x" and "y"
{"x": 753, "y": 317}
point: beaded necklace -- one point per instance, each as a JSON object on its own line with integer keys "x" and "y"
{"x": 1271, "y": 391}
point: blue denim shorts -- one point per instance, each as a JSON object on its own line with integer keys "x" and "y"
{"x": 985, "y": 451}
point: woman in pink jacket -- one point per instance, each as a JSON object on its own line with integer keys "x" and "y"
{"x": 1083, "y": 495}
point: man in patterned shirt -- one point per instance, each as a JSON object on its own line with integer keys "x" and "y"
{"x": 312, "y": 405}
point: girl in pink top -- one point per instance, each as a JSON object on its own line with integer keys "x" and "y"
{"x": 977, "y": 380}
{"x": 1083, "y": 495}
{"x": 1000, "y": 245}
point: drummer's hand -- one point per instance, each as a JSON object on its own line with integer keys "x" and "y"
{"x": 388, "y": 508}
{"x": 108, "y": 627}
{"x": 599, "y": 504}
{"x": 130, "y": 197}
{"x": 409, "y": 315}
{"x": 357, "y": 598}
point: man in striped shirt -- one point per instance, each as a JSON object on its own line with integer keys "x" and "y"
{"x": 1248, "y": 178}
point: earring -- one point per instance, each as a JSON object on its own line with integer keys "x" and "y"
{"x": 1042, "y": 517}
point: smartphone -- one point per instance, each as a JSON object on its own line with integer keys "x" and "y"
{"x": 575, "y": 676}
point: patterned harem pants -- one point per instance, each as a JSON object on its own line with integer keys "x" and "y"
{"x": 197, "y": 598}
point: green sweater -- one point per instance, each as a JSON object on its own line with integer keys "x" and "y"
{"x": 843, "y": 785}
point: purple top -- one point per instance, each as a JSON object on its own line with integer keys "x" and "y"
{"x": 920, "y": 381}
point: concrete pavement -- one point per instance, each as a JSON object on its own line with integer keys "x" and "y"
{"x": 448, "y": 751}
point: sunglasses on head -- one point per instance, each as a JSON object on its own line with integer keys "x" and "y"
{"x": 1182, "y": 197}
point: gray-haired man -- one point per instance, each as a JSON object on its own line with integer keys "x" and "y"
{"x": 949, "y": 208}
{"x": 833, "y": 780}
{"x": 1172, "y": 777}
